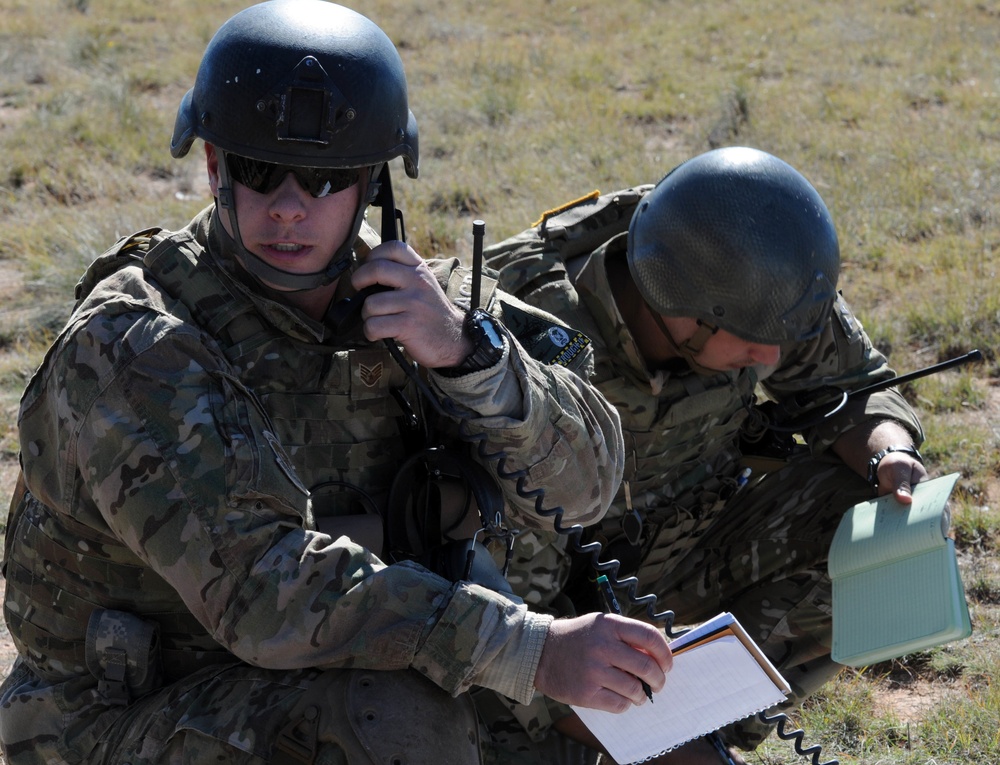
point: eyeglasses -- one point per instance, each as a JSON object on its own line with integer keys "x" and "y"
{"x": 265, "y": 177}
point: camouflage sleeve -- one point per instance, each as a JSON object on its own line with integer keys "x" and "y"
{"x": 552, "y": 424}
{"x": 155, "y": 442}
{"x": 842, "y": 356}
{"x": 520, "y": 688}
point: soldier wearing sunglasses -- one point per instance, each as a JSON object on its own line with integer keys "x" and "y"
{"x": 198, "y": 561}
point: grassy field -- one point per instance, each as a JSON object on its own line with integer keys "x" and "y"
{"x": 890, "y": 108}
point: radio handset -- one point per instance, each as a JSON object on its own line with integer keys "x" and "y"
{"x": 344, "y": 316}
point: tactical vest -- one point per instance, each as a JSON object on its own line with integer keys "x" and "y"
{"x": 332, "y": 410}
{"x": 682, "y": 465}
{"x": 333, "y": 413}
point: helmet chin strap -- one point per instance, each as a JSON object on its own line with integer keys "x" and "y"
{"x": 691, "y": 347}
{"x": 286, "y": 281}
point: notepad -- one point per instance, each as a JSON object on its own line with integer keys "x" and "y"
{"x": 896, "y": 583}
{"x": 719, "y": 676}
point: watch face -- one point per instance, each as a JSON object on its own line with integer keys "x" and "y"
{"x": 486, "y": 334}
{"x": 491, "y": 332}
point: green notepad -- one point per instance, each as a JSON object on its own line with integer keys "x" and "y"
{"x": 896, "y": 584}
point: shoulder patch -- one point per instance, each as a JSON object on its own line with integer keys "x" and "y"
{"x": 544, "y": 340}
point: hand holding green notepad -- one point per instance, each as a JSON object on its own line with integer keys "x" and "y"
{"x": 896, "y": 584}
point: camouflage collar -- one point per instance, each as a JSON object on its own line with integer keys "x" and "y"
{"x": 595, "y": 290}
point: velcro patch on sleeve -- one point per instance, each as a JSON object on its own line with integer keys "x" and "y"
{"x": 544, "y": 340}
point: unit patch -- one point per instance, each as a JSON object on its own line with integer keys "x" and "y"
{"x": 544, "y": 340}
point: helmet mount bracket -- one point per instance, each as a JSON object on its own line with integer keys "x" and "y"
{"x": 308, "y": 106}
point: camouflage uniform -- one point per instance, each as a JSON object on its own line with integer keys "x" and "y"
{"x": 688, "y": 522}
{"x": 168, "y": 591}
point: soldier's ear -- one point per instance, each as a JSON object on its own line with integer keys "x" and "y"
{"x": 212, "y": 165}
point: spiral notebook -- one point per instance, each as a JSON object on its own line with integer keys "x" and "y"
{"x": 719, "y": 676}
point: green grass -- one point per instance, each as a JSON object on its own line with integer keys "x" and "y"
{"x": 891, "y": 108}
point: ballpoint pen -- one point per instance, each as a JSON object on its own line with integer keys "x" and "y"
{"x": 612, "y": 606}
{"x": 720, "y": 748}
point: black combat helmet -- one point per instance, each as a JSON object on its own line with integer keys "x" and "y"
{"x": 305, "y": 83}
{"x": 741, "y": 241}
{"x": 301, "y": 82}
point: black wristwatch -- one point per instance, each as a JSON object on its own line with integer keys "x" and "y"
{"x": 876, "y": 460}
{"x": 486, "y": 334}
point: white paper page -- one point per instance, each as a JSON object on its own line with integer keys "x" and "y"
{"x": 708, "y": 687}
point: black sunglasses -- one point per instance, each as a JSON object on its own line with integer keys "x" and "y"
{"x": 265, "y": 177}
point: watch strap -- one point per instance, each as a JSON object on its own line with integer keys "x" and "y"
{"x": 876, "y": 460}
{"x": 488, "y": 344}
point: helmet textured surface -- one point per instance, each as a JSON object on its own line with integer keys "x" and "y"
{"x": 738, "y": 238}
